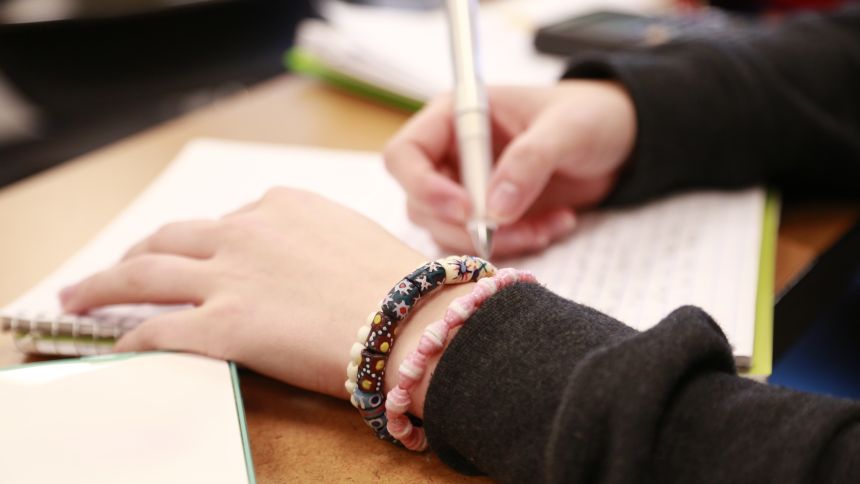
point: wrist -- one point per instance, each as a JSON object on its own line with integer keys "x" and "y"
{"x": 430, "y": 310}
{"x": 391, "y": 411}
{"x": 370, "y": 288}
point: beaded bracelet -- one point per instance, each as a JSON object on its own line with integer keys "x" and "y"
{"x": 432, "y": 342}
{"x": 368, "y": 356}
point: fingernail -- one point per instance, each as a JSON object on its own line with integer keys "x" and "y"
{"x": 562, "y": 224}
{"x": 454, "y": 211}
{"x": 503, "y": 200}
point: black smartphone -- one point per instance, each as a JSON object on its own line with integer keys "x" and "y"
{"x": 607, "y": 30}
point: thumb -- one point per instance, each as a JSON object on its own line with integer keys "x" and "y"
{"x": 523, "y": 170}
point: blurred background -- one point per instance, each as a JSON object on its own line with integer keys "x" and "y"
{"x": 78, "y": 74}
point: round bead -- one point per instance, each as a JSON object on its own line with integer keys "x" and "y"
{"x": 363, "y": 333}
{"x": 489, "y": 284}
{"x": 416, "y": 440}
{"x": 437, "y": 331}
{"x": 399, "y": 427}
{"x": 454, "y": 318}
{"x": 528, "y": 276}
{"x": 370, "y": 317}
{"x": 355, "y": 352}
{"x": 350, "y": 387}
{"x": 407, "y": 382}
{"x": 408, "y": 369}
{"x": 418, "y": 360}
{"x": 481, "y": 293}
{"x": 398, "y": 401}
{"x": 352, "y": 371}
{"x": 466, "y": 303}
{"x": 429, "y": 346}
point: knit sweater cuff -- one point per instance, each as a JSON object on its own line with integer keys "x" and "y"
{"x": 694, "y": 114}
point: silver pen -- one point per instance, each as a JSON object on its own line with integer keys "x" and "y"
{"x": 471, "y": 120}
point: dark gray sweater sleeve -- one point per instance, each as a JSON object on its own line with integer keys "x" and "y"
{"x": 776, "y": 105}
{"x": 535, "y": 388}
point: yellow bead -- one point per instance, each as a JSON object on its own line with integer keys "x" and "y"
{"x": 380, "y": 365}
{"x": 366, "y": 384}
{"x": 384, "y": 347}
{"x": 377, "y": 319}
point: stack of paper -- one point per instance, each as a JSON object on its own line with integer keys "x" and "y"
{"x": 407, "y": 52}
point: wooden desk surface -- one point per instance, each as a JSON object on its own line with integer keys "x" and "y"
{"x": 295, "y": 435}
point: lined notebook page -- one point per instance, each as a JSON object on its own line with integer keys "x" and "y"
{"x": 636, "y": 264}
{"x": 639, "y": 264}
{"x": 157, "y": 417}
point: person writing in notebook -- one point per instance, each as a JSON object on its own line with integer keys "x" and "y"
{"x": 510, "y": 379}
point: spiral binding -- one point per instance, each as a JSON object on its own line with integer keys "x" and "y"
{"x": 67, "y": 335}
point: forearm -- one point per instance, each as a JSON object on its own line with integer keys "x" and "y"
{"x": 770, "y": 105}
{"x": 538, "y": 388}
{"x": 723, "y": 428}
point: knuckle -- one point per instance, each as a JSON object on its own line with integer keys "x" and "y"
{"x": 529, "y": 152}
{"x": 390, "y": 155}
{"x": 276, "y": 194}
{"x": 415, "y": 215}
{"x": 139, "y": 271}
{"x": 164, "y": 233}
{"x": 288, "y": 195}
{"x": 225, "y": 316}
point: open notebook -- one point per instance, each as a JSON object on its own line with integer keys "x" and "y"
{"x": 636, "y": 264}
{"x": 130, "y": 418}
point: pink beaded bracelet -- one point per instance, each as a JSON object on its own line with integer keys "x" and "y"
{"x": 432, "y": 342}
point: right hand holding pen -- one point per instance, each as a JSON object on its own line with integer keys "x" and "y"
{"x": 558, "y": 149}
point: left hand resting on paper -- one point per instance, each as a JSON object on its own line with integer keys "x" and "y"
{"x": 280, "y": 286}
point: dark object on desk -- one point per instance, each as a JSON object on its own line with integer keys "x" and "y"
{"x": 605, "y": 30}
{"x": 817, "y": 324}
{"x": 93, "y": 79}
{"x": 405, "y": 4}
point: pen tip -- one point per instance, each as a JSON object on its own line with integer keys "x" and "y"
{"x": 482, "y": 239}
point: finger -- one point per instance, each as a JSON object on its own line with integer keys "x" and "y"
{"x": 415, "y": 158}
{"x": 148, "y": 278}
{"x": 246, "y": 207}
{"x": 530, "y": 234}
{"x": 527, "y": 164}
{"x": 178, "y": 331}
{"x": 447, "y": 235}
{"x": 578, "y": 194}
{"x": 535, "y": 233}
{"x": 193, "y": 238}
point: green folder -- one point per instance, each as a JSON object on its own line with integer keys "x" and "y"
{"x": 762, "y": 361}
{"x": 303, "y": 62}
